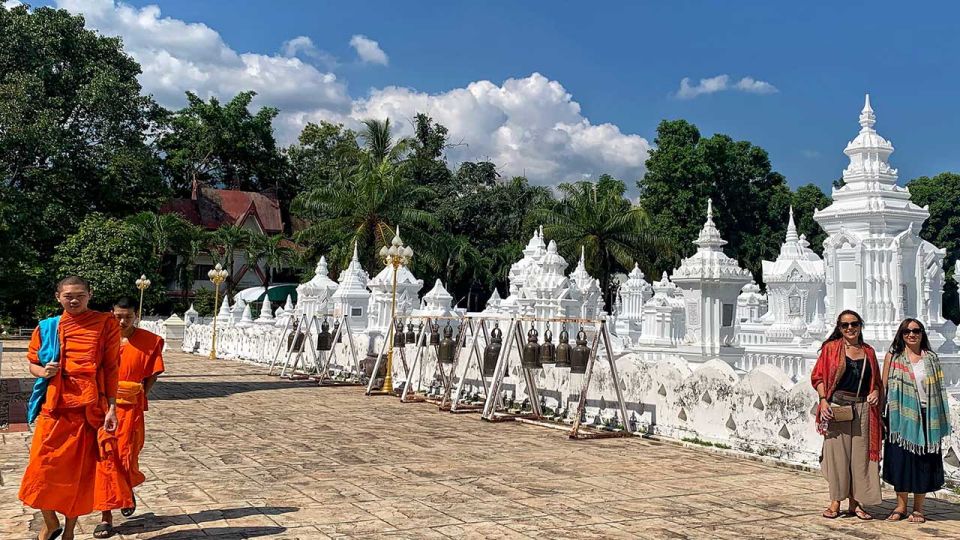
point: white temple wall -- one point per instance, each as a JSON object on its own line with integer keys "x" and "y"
{"x": 762, "y": 411}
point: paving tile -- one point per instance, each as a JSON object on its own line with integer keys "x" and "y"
{"x": 234, "y": 453}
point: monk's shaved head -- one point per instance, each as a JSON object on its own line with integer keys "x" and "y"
{"x": 73, "y": 280}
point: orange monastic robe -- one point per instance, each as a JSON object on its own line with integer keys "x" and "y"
{"x": 61, "y": 473}
{"x": 140, "y": 358}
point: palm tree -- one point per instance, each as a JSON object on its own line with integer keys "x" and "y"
{"x": 272, "y": 251}
{"x": 369, "y": 203}
{"x": 611, "y": 230}
{"x": 164, "y": 233}
{"x": 223, "y": 244}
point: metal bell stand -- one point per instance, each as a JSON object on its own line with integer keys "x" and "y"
{"x": 445, "y": 378}
{"x": 284, "y": 336}
{"x": 515, "y": 334}
{"x": 476, "y": 325}
{"x": 322, "y": 362}
{"x": 391, "y": 329}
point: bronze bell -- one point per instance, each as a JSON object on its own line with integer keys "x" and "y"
{"x": 398, "y": 340}
{"x": 563, "y": 350}
{"x": 434, "y": 334}
{"x": 336, "y": 327}
{"x": 548, "y": 352}
{"x": 492, "y": 353}
{"x": 531, "y": 351}
{"x": 447, "y": 345}
{"x": 580, "y": 354}
{"x": 295, "y": 341}
{"x": 411, "y": 335}
{"x": 324, "y": 338}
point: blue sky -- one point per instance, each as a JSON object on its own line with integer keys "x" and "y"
{"x": 623, "y": 64}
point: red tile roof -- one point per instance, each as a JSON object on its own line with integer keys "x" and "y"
{"x": 216, "y": 207}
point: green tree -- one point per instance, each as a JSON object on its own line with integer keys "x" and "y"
{"x": 685, "y": 169}
{"x": 805, "y": 200}
{"x": 110, "y": 254}
{"x": 273, "y": 251}
{"x": 324, "y": 154}
{"x": 611, "y": 230}
{"x": 74, "y": 139}
{"x": 942, "y": 193}
{"x": 222, "y": 145}
{"x": 427, "y": 166}
{"x": 367, "y": 205}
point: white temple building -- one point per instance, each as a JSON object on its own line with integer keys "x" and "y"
{"x": 876, "y": 263}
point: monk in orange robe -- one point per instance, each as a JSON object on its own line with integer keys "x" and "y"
{"x": 78, "y": 414}
{"x": 141, "y": 361}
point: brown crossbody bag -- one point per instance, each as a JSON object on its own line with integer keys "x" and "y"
{"x": 844, "y": 413}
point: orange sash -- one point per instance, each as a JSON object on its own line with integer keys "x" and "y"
{"x": 128, "y": 392}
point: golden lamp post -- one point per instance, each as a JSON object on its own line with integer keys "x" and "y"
{"x": 218, "y": 275}
{"x": 395, "y": 255}
{"x": 143, "y": 284}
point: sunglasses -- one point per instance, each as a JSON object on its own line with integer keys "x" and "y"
{"x": 854, "y": 324}
{"x": 913, "y": 331}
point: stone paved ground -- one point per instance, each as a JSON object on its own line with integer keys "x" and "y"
{"x": 232, "y": 453}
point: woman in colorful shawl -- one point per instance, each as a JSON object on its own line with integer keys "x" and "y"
{"x": 847, "y": 375}
{"x": 918, "y": 417}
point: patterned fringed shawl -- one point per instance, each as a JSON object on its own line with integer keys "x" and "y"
{"x": 903, "y": 405}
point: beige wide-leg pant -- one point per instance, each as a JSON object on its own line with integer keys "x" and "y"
{"x": 846, "y": 463}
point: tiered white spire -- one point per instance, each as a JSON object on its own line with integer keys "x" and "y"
{"x": 583, "y": 280}
{"x": 224, "y": 315}
{"x": 796, "y": 262}
{"x": 353, "y": 278}
{"x": 237, "y": 309}
{"x": 709, "y": 238}
{"x": 438, "y": 299}
{"x": 791, "y": 228}
{"x": 266, "y": 312}
{"x": 710, "y": 262}
{"x": 493, "y": 304}
{"x": 549, "y": 277}
{"x": 246, "y": 319}
{"x": 870, "y": 189}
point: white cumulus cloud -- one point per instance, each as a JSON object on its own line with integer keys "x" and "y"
{"x": 177, "y": 56}
{"x": 527, "y": 126}
{"x": 721, "y": 83}
{"x": 369, "y": 50}
{"x": 753, "y": 86}
{"x": 303, "y": 46}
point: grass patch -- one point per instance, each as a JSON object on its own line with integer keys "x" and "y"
{"x": 701, "y": 442}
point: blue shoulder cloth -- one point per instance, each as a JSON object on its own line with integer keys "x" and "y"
{"x": 49, "y": 352}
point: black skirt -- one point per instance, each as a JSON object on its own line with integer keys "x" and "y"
{"x": 912, "y": 473}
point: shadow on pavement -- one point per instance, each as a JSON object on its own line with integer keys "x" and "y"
{"x": 150, "y": 522}
{"x": 174, "y": 390}
{"x": 223, "y": 533}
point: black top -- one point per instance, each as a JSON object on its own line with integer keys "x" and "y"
{"x": 851, "y": 376}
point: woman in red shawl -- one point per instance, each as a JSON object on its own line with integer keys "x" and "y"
{"x": 847, "y": 373}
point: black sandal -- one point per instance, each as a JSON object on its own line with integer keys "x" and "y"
{"x": 127, "y": 512}
{"x": 900, "y": 515}
{"x": 104, "y": 530}
{"x": 917, "y": 517}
